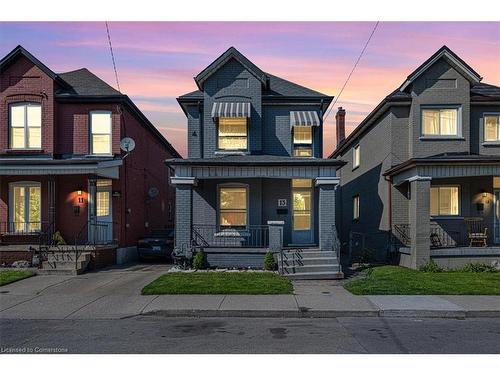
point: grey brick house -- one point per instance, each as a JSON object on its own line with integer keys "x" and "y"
{"x": 254, "y": 179}
{"x": 423, "y": 169}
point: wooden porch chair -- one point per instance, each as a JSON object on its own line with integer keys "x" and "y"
{"x": 476, "y": 231}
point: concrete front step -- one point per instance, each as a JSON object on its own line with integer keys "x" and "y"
{"x": 308, "y": 261}
{"x": 307, "y": 254}
{"x": 67, "y": 257}
{"x": 307, "y": 269}
{"x": 315, "y": 275}
{"x": 80, "y": 264}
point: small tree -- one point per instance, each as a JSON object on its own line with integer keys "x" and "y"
{"x": 269, "y": 262}
{"x": 199, "y": 260}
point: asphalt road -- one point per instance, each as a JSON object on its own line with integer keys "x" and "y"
{"x": 251, "y": 335}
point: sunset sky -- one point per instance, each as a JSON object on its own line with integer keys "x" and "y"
{"x": 156, "y": 62}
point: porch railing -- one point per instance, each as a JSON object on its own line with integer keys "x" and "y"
{"x": 256, "y": 236}
{"x": 439, "y": 237}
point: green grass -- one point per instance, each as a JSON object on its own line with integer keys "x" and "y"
{"x": 400, "y": 280}
{"x": 219, "y": 283}
{"x": 10, "y": 276}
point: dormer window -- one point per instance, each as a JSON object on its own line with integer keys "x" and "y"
{"x": 233, "y": 134}
{"x": 25, "y": 126}
{"x": 441, "y": 122}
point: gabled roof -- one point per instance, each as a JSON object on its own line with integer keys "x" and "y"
{"x": 85, "y": 83}
{"x": 231, "y": 53}
{"x": 21, "y": 51}
{"x": 84, "y": 86}
{"x": 480, "y": 92}
{"x": 449, "y": 55}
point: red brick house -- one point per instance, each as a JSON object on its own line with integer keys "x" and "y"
{"x": 61, "y": 165}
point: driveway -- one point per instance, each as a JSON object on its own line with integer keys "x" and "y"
{"x": 110, "y": 293}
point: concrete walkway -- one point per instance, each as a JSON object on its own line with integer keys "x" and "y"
{"x": 115, "y": 294}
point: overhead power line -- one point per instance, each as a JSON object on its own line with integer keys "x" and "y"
{"x": 112, "y": 57}
{"x": 352, "y": 71}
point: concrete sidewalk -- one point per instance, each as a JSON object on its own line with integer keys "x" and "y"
{"x": 115, "y": 294}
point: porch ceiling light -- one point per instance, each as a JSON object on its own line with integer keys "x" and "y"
{"x": 79, "y": 192}
{"x": 485, "y": 194}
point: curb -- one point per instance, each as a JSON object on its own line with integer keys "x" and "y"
{"x": 444, "y": 314}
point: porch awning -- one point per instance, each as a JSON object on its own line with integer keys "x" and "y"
{"x": 226, "y": 109}
{"x": 304, "y": 118}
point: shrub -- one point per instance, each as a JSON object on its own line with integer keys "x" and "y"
{"x": 269, "y": 262}
{"x": 199, "y": 260}
{"x": 477, "y": 267}
{"x": 431, "y": 267}
{"x": 364, "y": 256}
{"x": 58, "y": 239}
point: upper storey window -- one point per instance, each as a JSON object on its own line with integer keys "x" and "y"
{"x": 302, "y": 141}
{"x": 492, "y": 127}
{"x": 356, "y": 156}
{"x": 100, "y": 133}
{"x": 25, "y": 126}
{"x": 233, "y": 133}
{"x": 441, "y": 122}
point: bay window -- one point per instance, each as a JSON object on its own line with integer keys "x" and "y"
{"x": 100, "y": 133}
{"x": 232, "y": 133}
{"x": 233, "y": 207}
{"x": 445, "y": 200}
{"x": 492, "y": 128}
{"x": 25, "y": 126}
{"x": 440, "y": 122}
{"x": 302, "y": 141}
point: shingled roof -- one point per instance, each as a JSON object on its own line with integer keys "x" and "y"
{"x": 85, "y": 83}
{"x": 273, "y": 86}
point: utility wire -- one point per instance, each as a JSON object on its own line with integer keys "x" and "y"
{"x": 112, "y": 56}
{"x": 352, "y": 71}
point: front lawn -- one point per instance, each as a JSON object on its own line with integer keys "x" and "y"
{"x": 219, "y": 283}
{"x": 9, "y": 276}
{"x": 400, "y": 280}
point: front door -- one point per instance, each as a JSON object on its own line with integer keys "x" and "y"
{"x": 497, "y": 216}
{"x": 302, "y": 209}
{"x": 101, "y": 226}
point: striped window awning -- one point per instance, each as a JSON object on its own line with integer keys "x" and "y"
{"x": 225, "y": 109}
{"x": 304, "y": 118}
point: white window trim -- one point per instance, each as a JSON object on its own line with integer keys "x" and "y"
{"x": 230, "y": 185}
{"x": 458, "y": 136}
{"x": 91, "y": 151}
{"x": 25, "y": 126}
{"x": 26, "y": 208}
{"x": 355, "y": 149}
{"x": 485, "y": 142}
{"x": 459, "y": 214}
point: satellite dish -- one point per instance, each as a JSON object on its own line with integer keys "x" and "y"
{"x": 153, "y": 192}
{"x": 127, "y": 144}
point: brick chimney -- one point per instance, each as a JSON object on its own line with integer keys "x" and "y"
{"x": 340, "y": 125}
